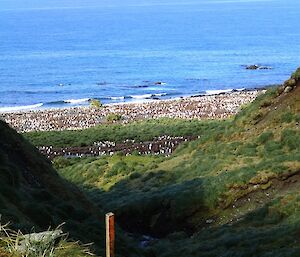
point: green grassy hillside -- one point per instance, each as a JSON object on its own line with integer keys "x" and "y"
{"x": 233, "y": 192}
{"x": 139, "y": 131}
{"x": 32, "y": 194}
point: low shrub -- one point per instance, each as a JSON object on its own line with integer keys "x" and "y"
{"x": 95, "y": 103}
{"x": 113, "y": 117}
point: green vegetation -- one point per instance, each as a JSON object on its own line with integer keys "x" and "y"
{"x": 232, "y": 192}
{"x": 296, "y": 74}
{"x": 196, "y": 181}
{"x": 32, "y": 194}
{"x": 106, "y": 171}
{"x": 47, "y": 244}
{"x": 235, "y": 189}
{"x": 95, "y": 103}
{"x": 113, "y": 117}
{"x": 139, "y": 131}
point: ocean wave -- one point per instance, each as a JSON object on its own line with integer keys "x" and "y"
{"x": 20, "y": 108}
{"x": 117, "y": 98}
{"x": 145, "y": 96}
{"x": 68, "y": 101}
{"x": 77, "y": 101}
{"x": 160, "y": 94}
{"x": 218, "y": 91}
{"x": 55, "y": 103}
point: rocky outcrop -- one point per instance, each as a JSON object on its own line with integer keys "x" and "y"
{"x": 159, "y": 83}
{"x": 290, "y": 84}
{"x": 257, "y": 67}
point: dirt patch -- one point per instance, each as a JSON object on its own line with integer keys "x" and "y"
{"x": 277, "y": 186}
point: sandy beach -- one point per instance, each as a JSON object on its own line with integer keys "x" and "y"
{"x": 219, "y": 106}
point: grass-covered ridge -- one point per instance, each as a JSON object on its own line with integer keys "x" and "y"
{"x": 296, "y": 74}
{"x": 32, "y": 194}
{"x": 233, "y": 192}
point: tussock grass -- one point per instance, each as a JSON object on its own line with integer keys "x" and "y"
{"x": 50, "y": 243}
{"x": 32, "y": 194}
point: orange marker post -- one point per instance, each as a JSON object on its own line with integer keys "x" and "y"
{"x": 110, "y": 234}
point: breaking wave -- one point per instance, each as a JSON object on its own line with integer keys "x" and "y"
{"x": 20, "y": 108}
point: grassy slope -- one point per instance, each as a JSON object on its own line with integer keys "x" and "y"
{"x": 32, "y": 194}
{"x": 139, "y": 131}
{"x": 235, "y": 189}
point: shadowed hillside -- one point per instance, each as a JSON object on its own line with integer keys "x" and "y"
{"x": 32, "y": 194}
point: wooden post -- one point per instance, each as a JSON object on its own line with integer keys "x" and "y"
{"x": 110, "y": 234}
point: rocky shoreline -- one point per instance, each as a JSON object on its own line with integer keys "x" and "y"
{"x": 219, "y": 106}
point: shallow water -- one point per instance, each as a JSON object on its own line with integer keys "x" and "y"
{"x": 62, "y": 53}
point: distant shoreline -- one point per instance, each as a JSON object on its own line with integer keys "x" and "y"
{"x": 85, "y": 102}
{"x": 220, "y": 106}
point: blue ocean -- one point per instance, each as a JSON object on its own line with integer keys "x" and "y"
{"x": 63, "y": 53}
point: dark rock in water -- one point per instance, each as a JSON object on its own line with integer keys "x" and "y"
{"x": 252, "y": 67}
{"x": 257, "y": 67}
{"x": 241, "y": 90}
{"x": 141, "y": 86}
{"x": 102, "y": 83}
{"x": 159, "y": 83}
{"x": 264, "y": 68}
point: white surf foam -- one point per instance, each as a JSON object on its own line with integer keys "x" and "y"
{"x": 77, "y": 101}
{"x": 20, "y": 108}
{"x": 161, "y": 94}
{"x": 117, "y": 98}
{"x": 145, "y": 96}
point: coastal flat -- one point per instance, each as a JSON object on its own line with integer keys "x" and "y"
{"x": 219, "y": 106}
